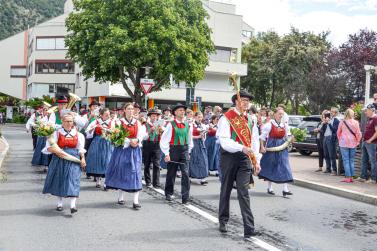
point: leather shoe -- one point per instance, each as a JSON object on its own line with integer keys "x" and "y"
{"x": 287, "y": 193}
{"x": 73, "y": 210}
{"x": 270, "y": 192}
{"x": 136, "y": 206}
{"x": 223, "y": 228}
{"x": 253, "y": 234}
{"x": 59, "y": 208}
{"x": 185, "y": 201}
{"x": 169, "y": 198}
{"x": 121, "y": 202}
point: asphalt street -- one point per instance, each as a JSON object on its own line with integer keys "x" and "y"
{"x": 309, "y": 220}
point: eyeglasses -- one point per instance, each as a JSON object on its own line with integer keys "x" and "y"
{"x": 69, "y": 121}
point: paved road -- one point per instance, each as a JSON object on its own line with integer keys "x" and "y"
{"x": 308, "y": 221}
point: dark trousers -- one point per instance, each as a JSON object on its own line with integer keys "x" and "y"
{"x": 34, "y": 136}
{"x": 236, "y": 167}
{"x": 329, "y": 148}
{"x": 178, "y": 154}
{"x": 320, "y": 151}
{"x": 152, "y": 154}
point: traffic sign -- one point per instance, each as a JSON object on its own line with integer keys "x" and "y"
{"x": 146, "y": 84}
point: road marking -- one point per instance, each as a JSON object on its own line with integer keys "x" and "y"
{"x": 214, "y": 219}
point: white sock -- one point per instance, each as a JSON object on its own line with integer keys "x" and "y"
{"x": 60, "y": 202}
{"x": 285, "y": 187}
{"x": 103, "y": 182}
{"x": 120, "y": 196}
{"x": 98, "y": 182}
{"x": 136, "y": 198}
{"x": 270, "y": 186}
{"x": 73, "y": 202}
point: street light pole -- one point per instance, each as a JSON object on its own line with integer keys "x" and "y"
{"x": 368, "y": 70}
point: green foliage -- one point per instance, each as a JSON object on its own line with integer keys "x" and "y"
{"x": 16, "y": 15}
{"x": 35, "y": 102}
{"x": 358, "y": 109}
{"x": 19, "y": 119}
{"x": 117, "y": 135}
{"x": 114, "y": 40}
{"x": 299, "y": 134}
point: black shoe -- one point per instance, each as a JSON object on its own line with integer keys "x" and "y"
{"x": 287, "y": 193}
{"x": 157, "y": 186}
{"x": 169, "y": 198}
{"x": 98, "y": 186}
{"x": 88, "y": 177}
{"x": 270, "y": 192}
{"x": 105, "y": 189}
{"x": 253, "y": 234}
{"x": 327, "y": 171}
{"x": 185, "y": 201}
{"x": 149, "y": 185}
{"x": 136, "y": 206}
{"x": 73, "y": 210}
{"x": 95, "y": 179}
{"x": 223, "y": 228}
{"x": 59, "y": 208}
{"x": 203, "y": 182}
{"x": 121, "y": 202}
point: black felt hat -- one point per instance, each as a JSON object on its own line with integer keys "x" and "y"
{"x": 243, "y": 94}
{"x": 153, "y": 111}
{"x": 177, "y": 106}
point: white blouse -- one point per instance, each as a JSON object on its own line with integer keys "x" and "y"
{"x": 80, "y": 144}
{"x": 105, "y": 124}
{"x": 267, "y": 129}
{"x": 32, "y": 121}
{"x": 166, "y": 137}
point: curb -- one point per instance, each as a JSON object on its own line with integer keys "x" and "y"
{"x": 3, "y": 154}
{"x": 345, "y": 193}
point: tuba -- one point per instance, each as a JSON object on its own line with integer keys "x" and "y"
{"x": 73, "y": 98}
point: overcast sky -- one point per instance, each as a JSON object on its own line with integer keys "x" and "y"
{"x": 341, "y": 17}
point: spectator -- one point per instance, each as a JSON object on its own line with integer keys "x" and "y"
{"x": 1, "y": 118}
{"x": 375, "y": 101}
{"x": 319, "y": 141}
{"x": 368, "y": 150}
{"x": 217, "y": 111}
{"x": 329, "y": 129}
{"x": 349, "y": 136}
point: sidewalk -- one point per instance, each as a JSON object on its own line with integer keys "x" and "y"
{"x": 304, "y": 175}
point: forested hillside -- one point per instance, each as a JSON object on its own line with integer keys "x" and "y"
{"x": 16, "y": 15}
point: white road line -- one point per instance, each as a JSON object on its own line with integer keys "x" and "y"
{"x": 212, "y": 218}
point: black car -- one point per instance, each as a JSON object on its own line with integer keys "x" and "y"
{"x": 309, "y": 145}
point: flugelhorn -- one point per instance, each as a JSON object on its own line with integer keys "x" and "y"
{"x": 46, "y": 104}
{"x": 53, "y": 144}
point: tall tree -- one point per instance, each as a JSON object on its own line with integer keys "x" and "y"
{"x": 113, "y": 40}
{"x": 263, "y": 80}
{"x": 359, "y": 50}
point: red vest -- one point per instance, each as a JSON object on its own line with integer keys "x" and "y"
{"x": 63, "y": 141}
{"x": 277, "y": 132}
{"x": 98, "y": 130}
{"x": 212, "y": 132}
{"x": 132, "y": 129}
{"x": 195, "y": 130}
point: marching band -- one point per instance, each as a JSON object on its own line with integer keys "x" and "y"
{"x": 228, "y": 146}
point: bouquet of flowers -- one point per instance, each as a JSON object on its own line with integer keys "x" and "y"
{"x": 117, "y": 135}
{"x": 298, "y": 135}
{"x": 44, "y": 129}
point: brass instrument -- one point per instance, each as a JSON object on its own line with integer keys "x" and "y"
{"x": 73, "y": 98}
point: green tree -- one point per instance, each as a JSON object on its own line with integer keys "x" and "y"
{"x": 113, "y": 40}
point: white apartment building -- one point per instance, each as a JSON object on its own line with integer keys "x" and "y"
{"x": 40, "y": 53}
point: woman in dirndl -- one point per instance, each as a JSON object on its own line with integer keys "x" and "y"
{"x": 100, "y": 150}
{"x": 198, "y": 167}
{"x": 63, "y": 176}
{"x": 212, "y": 146}
{"x": 275, "y": 165}
{"x": 124, "y": 169}
{"x": 39, "y": 158}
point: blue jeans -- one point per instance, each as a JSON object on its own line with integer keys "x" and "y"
{"x": 348, "y": 155}
{"x": 368, "y": 154}
{"x": 329, "y": 149}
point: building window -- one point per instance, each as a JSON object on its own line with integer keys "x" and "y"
{"x": 224, "y": 54}
{"x": 50, "y": 43}
{"x": 51, "y": 88}
{"x": 54, "y": 67}
{"x": 247, "y": 34}
{"x": 59, "y": 88}
{"x": 18, "y": 71}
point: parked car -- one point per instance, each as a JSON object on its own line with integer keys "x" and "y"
{"x": 309, "y": 145}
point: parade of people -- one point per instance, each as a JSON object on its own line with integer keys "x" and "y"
{"x": 188, "y": 124}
